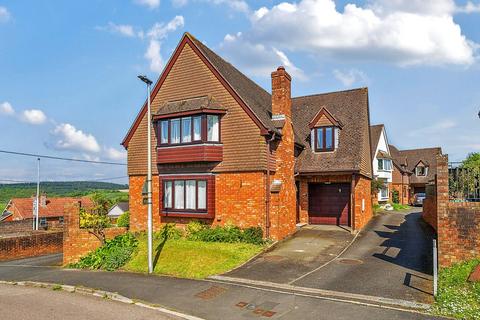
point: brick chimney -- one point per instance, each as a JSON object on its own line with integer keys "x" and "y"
{"x": 43, "y": 200}
{"x": 281, "y": 94}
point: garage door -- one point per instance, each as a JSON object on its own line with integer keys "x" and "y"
{"x": 329, "y": 203}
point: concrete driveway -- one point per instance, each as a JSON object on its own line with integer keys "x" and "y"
{"x": 310, "y": 248}
{"x": 391, "y": 258}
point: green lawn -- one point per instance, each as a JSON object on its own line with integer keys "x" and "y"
{"x": 2, "y": 206}
{"x": 191, "y": 259}
{"x": 400, "y": 207}
{"x": 456, "y": 296}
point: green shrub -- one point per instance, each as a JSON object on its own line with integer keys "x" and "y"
{"x": 197, "y": 231}
{"x": 395, "y": 196}
{"x": 111, "y": 256}
{"x": 124, "y": 220}
{"x": 169, "y": 231}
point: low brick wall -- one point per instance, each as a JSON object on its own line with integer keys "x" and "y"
{"x": 460, "y": 233}
{"x": 430, "y": 211}
{"x": 7, "y": 227}
{"x": 79, "y": 242}
{"x": 36, "y": 244}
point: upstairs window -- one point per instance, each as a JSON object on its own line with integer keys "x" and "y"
{"x": 189, "y": 130}
{"x": 421, "y": 171}
{"x": 324, "y": 138}
{"x": 384, "y": 164}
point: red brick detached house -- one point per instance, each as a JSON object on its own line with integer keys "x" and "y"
{"x": 227, "y": 151}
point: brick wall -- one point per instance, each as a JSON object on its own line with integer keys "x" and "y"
{"x": 78, "y": 242}
{"x": 457, "y": 223}
{"x": 16, "y": 226}
{"x": 363, "y": 205}
{"x": 36, "y": 244}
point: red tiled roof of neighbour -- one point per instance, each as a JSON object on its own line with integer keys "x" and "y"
{"x": 54, "y": 206}
{"x": 410, "y": 158}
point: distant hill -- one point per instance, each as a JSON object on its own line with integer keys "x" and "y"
{"x": 61, "y": 189}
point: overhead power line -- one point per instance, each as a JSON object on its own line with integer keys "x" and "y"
{"x": 61, "y": 158}
{"x": 79, "y": 180}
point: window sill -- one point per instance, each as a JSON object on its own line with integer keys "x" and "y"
{"x": 187, "y": 214}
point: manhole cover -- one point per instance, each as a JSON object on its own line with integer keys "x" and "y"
{"x": 350, "y": 261}
{"x": 273, "y": 258}
{"x": 210, "y": 293}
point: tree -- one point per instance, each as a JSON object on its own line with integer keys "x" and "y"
{"x": 95, "y": 219}
{"x": 377, "y": 185}
{"x": 472, "y": 161}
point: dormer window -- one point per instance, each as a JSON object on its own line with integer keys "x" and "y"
{"x": 421, "y": 171}
{"x": 324, "y": 139}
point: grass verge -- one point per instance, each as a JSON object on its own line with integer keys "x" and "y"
{"x": 456, "y": 296}
{"x": 400, "y": 207}
{"x": 190, "y": 259}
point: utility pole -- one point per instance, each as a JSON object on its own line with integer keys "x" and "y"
{"x": 37, "y": 206}
{"x": 149, "y": 175}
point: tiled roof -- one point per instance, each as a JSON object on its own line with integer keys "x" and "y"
{"x": 54, "y": 206}
{"x": 257, "y": 99}
{"x": 353, "y": 152}
{"x": 412, "y": 157}
{"x": 205, "y": 102}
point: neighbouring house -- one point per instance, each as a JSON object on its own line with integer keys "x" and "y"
{"x": 227, "y": 151}
{"x": 382, "y": 163}
{"x": 400, "y": 176}
{"x": 51, "y": 210}
{"x": 117, "y": 210}
{"x": 417, "y": 167}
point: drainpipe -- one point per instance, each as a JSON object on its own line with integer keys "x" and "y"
{"x": 352, "y": 197}
{"x": 267, "y": 190}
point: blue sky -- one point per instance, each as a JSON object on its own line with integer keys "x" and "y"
{"x": 68, "y": 69}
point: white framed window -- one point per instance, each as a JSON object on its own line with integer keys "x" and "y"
{"x": 188, "y": 195}
{"x": 384, "y": 164}
{"x": 213, "y": 132}
{"x": 421, "y": 171}
{"x": 175, "y": 131}
{"x": 186, "y": 129}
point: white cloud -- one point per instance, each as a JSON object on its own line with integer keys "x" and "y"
{"x": 4, "y": 15}
{"x": 469, "y": 7}
{"x": 348, "y": 78}
{"x": 70, "y": 138}
{"x": 398, "y": 31}
{"x": 6, "y": 109}
{"x": 237, "y": 5}
{"x": 161, "y": 30}
{"x": 255, "y": 58}
{"x": 115, "y": 154}
{"x": 158, "y": 32}
{"x": 122, "y": 29}
{"x": 154, "y": 56}
{"x": 152, "y": 4}
{"x": 33, "y": 116}
{"x": 433, "y": 129}
{"x": 179, "y": 3}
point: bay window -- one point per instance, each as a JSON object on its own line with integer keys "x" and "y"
{"x": 189, "y": 130}
{"x": 185, "y": 195}
{"x": 384, "y": 164}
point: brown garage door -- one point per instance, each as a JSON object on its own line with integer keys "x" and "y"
{"x": 329, "y": 203}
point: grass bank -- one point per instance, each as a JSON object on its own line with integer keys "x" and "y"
{"x": 457, "y": 297}
{"x": 190, "y": 259}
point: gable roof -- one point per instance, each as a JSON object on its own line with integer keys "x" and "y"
{"x": 375, "y": 133}
{"x": 412, "y": 157}
{"x": 256, "y": 102}
{"x": 53, "y": 208}
{"x": 353, "y": 154}
{"x": 324, "y": 112}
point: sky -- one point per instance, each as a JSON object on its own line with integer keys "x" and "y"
{"x": 68, "y": 69}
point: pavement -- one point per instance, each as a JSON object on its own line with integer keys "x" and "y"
{"x": 207, "y": 299}
{"x": 51, "y": 305}
{"x": 390, "y": 258}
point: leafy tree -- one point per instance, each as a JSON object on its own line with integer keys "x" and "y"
{"x": 377, "y": 185}
{"x": 95, "y": 219}
{"x": 472, "y": 161}
{"x": 124, "y": 220}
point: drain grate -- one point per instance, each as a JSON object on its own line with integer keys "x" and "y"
{"x": 210, "y": 293}
{"x": 350, "y": 261}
